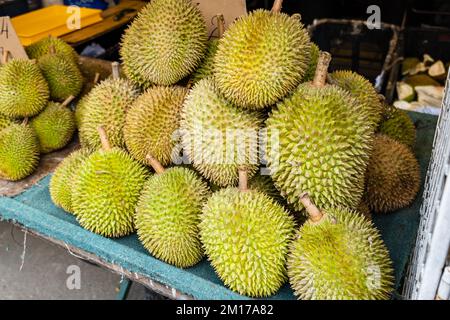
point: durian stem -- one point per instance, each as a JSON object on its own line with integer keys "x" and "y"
{"x": 156, "y": 165}
{"x": 220, "y": 25}
{"x": 277, "y": 6}
{"x": 67, "y": 101}
{"x": 115, "y": 70}
{"x": 25, "y": 121}
{"x": 96, "y": 78}
{"x": 315, "y": 215}
{"x": 51, "y": 49}
{"x": 243, "y": 180}
{"x": 320, "y": 78}
{"x": 5, "y": 56}
{"x": 106, "y": 146}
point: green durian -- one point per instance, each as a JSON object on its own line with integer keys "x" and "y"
{"x": 63, "y": 76}
{"x": 261, "y": 58}
{"x": 152, "y": 122}
{"x": 312, "y": 65}
{"x": 393, "y": 176}
{"x": 55, "y": 126}
{"x": 246, "y": 235}
{"x": 218, "y": 137}
{"x": 106, "y": 105}
{"x": 106, "y": 191}
{"x": 19, "y": 152}
{"x": 165, "y": 42}
{"x": 42, "y": 47}
{"x": 6, "y": 121}
{"x": 205, "y": 69}
{"x": 62, "y": 179}
{"x": 168, "y": 214}
{"x": 398, "y": 126}
{"x": 362, "y": 90}
{"x": 319, "y": 141}
{"x": 23, "y": 89}
{"x": 339, "y": 255}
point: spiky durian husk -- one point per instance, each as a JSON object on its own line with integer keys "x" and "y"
{"x": 312, "y": 65}
{"x": 319, "y": 142}
{"x": 42, "y": 47}
{"x": 106, "y": 105}
{"x": 341, "y": 257}
{"x": 246, "y": 237}
{"x": 398, "y": 126}
{"x": 208, "y": 122}
{"x": 393, "y": 176}
{"x": 364, "y": 209}
{"x": 168, "y": 215}
{"x": 62, "y": 180}
{"x": 63, "y": 76}
{"x": 165, "y": 43}
{"x": 362, "y": 90}
{"x": 54, "y": 127}
{"x": 6, "y": 121}
{"x": 261, "y": 58}
{"x": 106, "y": 192}
{"x": 205, "y": 69}
{"x": 264, "y": 184}
{"x": 151, "y": 124}
{"x": 79, "y": 111}
{"x": 19, "y": 152}
{"x": 23, "y": 89}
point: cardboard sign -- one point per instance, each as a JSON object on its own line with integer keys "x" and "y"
{"x": 230, "y": 9}
{"x": 10, "y": 41}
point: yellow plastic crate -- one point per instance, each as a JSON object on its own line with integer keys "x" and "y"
{"x": 38, "y": 24}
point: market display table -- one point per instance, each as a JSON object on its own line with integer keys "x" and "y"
{"x": 34, "y": 211}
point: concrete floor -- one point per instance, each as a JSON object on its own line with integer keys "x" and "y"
{"x": 44, "y": 271}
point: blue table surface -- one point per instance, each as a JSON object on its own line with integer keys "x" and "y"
{"x": 35, "y": 210}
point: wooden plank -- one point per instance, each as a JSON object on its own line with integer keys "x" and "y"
{"x": 107, "y": 25}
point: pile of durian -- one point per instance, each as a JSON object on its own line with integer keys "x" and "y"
{"x": 336, "y": 153}
{"x": 34, "y": 96}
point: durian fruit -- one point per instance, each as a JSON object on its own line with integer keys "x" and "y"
{"x": 63, "y": 76}
{"x": 312, "y": 65}
{"x": 151, "y": 123}
{"x": 79, "y": 110}
{"x": 261, "y": 58}
{"x": 339, "y": 255}
{"x": 168, "y": 214}
{"x": 398, "y": 126}
{"x": 218, "y": 137}
{"x": 106, "y": 191}
{"x": 165, "y": 43}
{"x": 393, "y": 176}
{"x": 206, "y": 67}
{"x": 23, "y": 89}
{"x": 106, "y": 105}
{"x": 61, "y": 183}
{"x": 362, "y": 90}
{"x": 319, "y": 141}
{"x": 54, "y": 126}
{"x": 246, "y": 235}
{"x": 19, "y": 152}
{"x": 42, "y": 47}
{"x": 6, "y": 121}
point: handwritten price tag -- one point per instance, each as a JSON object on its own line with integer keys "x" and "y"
{"x": 10, "y": 41}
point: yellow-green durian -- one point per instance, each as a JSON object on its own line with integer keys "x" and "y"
{"x": 152, "y": 122}
{"x": 19, "y": 152}
{"x": 54, "y": 127}
{"x": 398, "y": 126}
{"x": 106, "y": 105}
{"x": 246, "y": 235}
{"x": 23, "y": 89}
{"x": 61, "y": 183}
{"x": 261, "y": 58}
{"x": 165, "y": 43}
{"x": 206, "y": 68}
{"x": 168, "y": 215}
{"x": 6, "y": 121}
{"x": 42, "y": 47}
{"x": 338, "y": 254}
{"x": 313, "y": 58}
{"x": 393, "y": 176}
{"x": 218, "y": 137}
